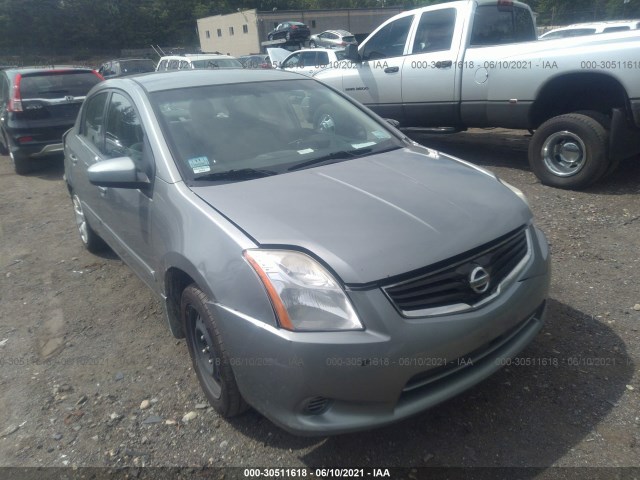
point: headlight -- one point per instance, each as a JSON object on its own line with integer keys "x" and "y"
{"x": 515, "y": 190}
{"x": 303, "y": 293}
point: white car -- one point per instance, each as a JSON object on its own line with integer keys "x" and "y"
{"x": 311, "y": 60}
{"x": 197, "y": 61}
{"x": 579, "y": 29}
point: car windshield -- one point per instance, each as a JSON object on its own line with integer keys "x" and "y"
{"x": 235, "y": 132}
{"x": 217, "y": 63}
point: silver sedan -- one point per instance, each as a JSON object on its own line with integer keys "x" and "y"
{"x": 324, "y": 269}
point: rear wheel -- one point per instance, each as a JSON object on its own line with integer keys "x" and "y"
{"x": 90, "y": 239}
{"x": 270, "y": 37}
{"x": 569, "y": 151}
{"x": 21, "y": 163}
{"x": 312, "y": 44}
{"x": 208, "y": 354}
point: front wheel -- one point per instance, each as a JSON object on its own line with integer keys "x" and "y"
{"x": 208, "y": 354}
{"x": 312, "y": 44}
{"x": 569, "y": 151}
{"x": 270, "y": 37}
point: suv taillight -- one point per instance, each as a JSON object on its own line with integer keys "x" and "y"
{"x": 15, "y": 102}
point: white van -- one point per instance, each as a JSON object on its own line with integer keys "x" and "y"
{"x": 196, "y": 61}
{"x": 580, "y": 29}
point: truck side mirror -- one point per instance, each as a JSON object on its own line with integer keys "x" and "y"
{"x": 351, "y": 53}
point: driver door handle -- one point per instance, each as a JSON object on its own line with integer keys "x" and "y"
{"x": 391, "y": 69}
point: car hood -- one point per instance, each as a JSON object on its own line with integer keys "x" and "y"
{"x": 374, "y": 217}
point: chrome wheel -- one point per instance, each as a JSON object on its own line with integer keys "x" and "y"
{"x": 564, "y": 153}
{"x": 81, "y": 221}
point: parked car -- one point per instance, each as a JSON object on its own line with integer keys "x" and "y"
{"x": 37, "y": 105}
{"x": 126, "y": 66}
{"x": 255, "y": 61}
{"x": 581, "y": 96}
{"x": 311, "y": 60}
{"x": 197, "y": 61}
{"x": 290, "y": 31}
{"x": 580, "y": 29}
{"x": 335, "y": 275}
{"x": 332, "y": 39}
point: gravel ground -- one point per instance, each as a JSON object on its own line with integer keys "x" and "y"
{"x": 90, "y": 375}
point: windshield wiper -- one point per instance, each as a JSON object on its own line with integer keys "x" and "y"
{"x": 339, "y": 155}
{"x": 239, "y": 174}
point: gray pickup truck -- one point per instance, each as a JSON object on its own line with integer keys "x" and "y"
{"x": 479, "y": 64}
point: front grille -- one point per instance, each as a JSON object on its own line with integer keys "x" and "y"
{"x": 448, "y": 283}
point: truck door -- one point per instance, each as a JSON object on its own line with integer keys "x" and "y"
{"x": 429, "y": 71}
{"x": 377, "y": 81}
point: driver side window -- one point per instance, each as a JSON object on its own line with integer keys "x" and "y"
{"x": 124, "y": 135}
{"x": 389, "y": 41}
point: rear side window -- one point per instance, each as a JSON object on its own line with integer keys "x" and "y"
{"x": 435, "y": 31}
{"x": 497, "y": 25}
{"x": 616, "y": 29}
{"x": 93, "y": 121}
{"x": 57, "y": 85}
{"x": 173, "y": 65}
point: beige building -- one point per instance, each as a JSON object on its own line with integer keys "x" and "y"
{"x": 243, "y": 32}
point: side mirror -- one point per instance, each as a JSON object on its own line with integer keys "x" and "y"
{"x": 393, "y": 123}
{"x": 351, "y": 53}
{"x": 118, "y": 172}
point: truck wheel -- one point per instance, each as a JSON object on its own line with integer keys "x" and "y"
{"x": 605, "y": 121}
{"x": 21, "y": 163}
{"x": 569, "y": 151}
{"x": 208, "y": 354}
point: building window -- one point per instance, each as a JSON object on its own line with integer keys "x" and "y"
{"x": 313, "y": 24}
{"x": 230, "y": 30}
{"x": 245, "y": 29}
{"x": 208, "y": 34}
{"x": 219, "y": 32}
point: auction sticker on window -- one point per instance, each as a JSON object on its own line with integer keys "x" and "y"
{"x": 199, "y": 164}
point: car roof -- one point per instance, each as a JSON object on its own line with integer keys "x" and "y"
{"x": 159, "y": 81}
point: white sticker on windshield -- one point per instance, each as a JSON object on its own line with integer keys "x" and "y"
{"x": 362, "y": 145}
{"x": 305, "y": 151}
{"x": 199, "y": 164}
{"x": 379, "y": 134}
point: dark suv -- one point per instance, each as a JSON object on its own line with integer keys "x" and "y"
{"x": 126, "y": 66}
{"x": 290, "y": 31}
{"x": 37, "y": 105}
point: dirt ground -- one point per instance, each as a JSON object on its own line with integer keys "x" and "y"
{"x": 83, "y": 344}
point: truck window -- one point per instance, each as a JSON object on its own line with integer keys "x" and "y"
{"x": 389, "y": 41}
{"x": 495, "y": 25}
{"x": 435, "y": 31}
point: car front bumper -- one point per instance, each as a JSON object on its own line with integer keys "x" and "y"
{"x": 319, "y": 383}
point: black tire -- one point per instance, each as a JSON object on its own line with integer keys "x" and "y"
{"x": 312, "y": 44}
{"x": 21, "y": 163}
{"x": 208, "y": 354}
{"x": 569, "y": 151}
{"x": 89, "y": 238}
{"x": 4, "y": 150}
{"x": 605, "y": 121}
{"x": 287, "y": 36}
{"x": 270, "y": 37}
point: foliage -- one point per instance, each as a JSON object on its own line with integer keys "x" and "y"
{"x": 50, "y": 26}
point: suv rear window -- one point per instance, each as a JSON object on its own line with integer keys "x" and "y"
{"x": 47, "y": 85}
